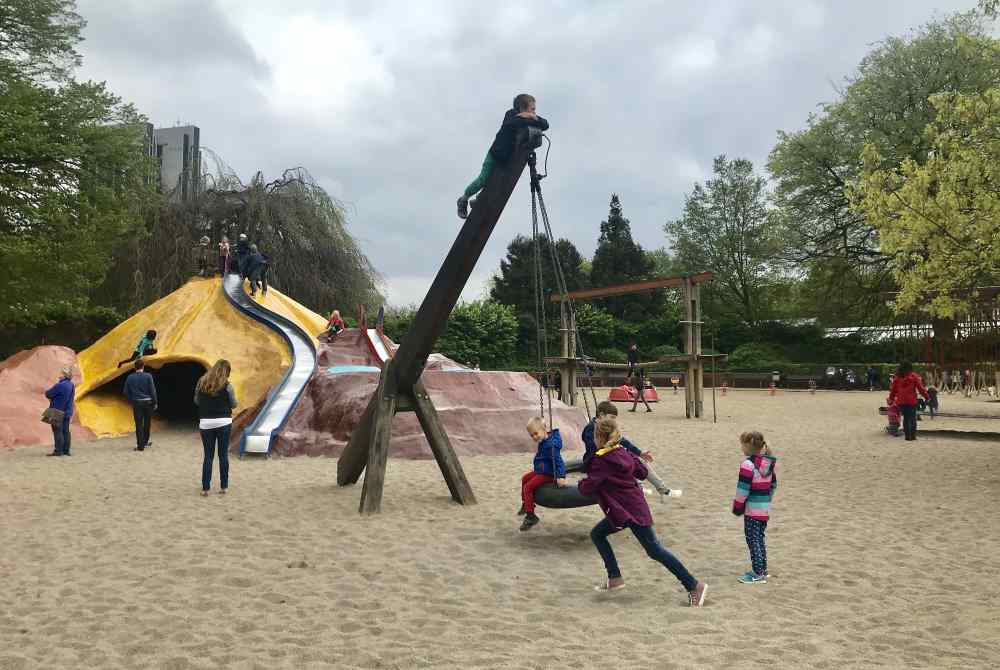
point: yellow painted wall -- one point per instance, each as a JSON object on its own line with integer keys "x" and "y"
{"x": 195, "y": 323}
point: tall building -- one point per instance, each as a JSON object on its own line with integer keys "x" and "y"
{"x": 178, "y": 151}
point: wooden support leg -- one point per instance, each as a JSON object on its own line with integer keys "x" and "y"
{"x": 354, "y": 458}
{"x": 378, "y": 452}
{"x": 444, "y": 453}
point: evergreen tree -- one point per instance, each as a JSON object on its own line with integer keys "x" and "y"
{"x": 619, "y": 260}
{"x": 515, "y": 285}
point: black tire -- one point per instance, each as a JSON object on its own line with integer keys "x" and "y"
{"x": 561, "y": 497}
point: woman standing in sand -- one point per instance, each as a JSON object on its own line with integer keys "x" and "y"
{"x": 215, "y": 398}
{"x": 611, "y": 478}
{"x": 903, "y": 393}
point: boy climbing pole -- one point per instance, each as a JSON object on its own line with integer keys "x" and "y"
{"x": 521, "y": 115}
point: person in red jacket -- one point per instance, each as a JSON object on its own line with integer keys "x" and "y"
{"x": 903, "y": 393}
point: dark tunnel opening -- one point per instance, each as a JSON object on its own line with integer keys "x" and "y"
{"x": 175, "y": 384}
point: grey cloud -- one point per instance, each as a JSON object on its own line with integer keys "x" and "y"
{"x": 624, "y": 118}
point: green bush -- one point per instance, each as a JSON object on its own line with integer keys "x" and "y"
{"x": 481, "y": 333}
{"x": 757, "y": 356}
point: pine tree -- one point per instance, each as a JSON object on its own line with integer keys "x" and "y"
{"x": 619, "y": 260}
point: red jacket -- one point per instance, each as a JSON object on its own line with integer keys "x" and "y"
{"x": 904, "y": 389}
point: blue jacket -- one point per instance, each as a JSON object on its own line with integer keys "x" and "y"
{"x": 548, "y": 459}
{"x": 590, "y": 447}
{"x": 61, "y": 396}
{"x": 140, "y": 386}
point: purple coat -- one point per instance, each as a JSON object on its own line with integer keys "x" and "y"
{"x": 612, "y": 480}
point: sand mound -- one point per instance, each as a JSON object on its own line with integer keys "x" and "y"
{"x": 24, "y": 378}
{"x": 484, "y": 412}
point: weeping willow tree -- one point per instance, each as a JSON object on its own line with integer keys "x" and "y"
{"x": 313, "y": 257}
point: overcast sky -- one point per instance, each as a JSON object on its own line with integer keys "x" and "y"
{"x": 392, "y": 105}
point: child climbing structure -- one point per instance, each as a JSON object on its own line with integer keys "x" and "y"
{"x": 400, "y": 388}
{"x": 569, "y": 363}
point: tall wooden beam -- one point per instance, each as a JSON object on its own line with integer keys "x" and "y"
{"x": 399, "y": 388}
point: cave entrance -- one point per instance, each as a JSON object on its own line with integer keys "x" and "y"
{"x": 175, "y": 384}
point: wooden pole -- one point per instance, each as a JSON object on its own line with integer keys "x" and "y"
{"x": 398, "y": 388}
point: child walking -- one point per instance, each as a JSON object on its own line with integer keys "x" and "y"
{"x": 548, "y": 467}
{"x": 224, "y": 256}
{"x": 754, "y": 490}
{"x": 612, "y": 480}
{"x": 521, "y": 115}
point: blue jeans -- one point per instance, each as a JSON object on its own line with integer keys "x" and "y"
{"x": 60, "y": 436}
{"x": 647, "y": 538}
{"x": 211, "y": 439}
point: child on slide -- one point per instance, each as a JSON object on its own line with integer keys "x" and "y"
{"x": 612, "y": 480}
{"x": 548, "y": 467}
{"x": 521, "y": 115}
{"x": 144, "y": 348}
{"x": 754, "y": 490}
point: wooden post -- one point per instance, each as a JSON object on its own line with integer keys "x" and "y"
{"x": 399, "y": 388}
{"x": 444, "y": 454}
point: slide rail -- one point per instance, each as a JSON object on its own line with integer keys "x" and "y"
{"x": 259, "y": 436}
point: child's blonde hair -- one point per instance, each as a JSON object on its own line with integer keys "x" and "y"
{"x": 755, "y": 441}
{"x": 536, "y": 423}
{"x": 606, "y": 433}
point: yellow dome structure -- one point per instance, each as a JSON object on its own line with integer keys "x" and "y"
{"x": 195, "y": 325}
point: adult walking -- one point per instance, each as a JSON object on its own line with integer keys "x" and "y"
{"x": 140, "y": 389}
{"x": 215, "y": 398}
{"x": 639, "y": 381}
{"x": 903, "y": 393}
{"x": 60, "y": 412}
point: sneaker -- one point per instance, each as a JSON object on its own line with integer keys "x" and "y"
{"x": 463, "y": 208}
{"x": 696, "y": 598}
{"x": 751, "y": 577}
{"x": 530, "y": 521}
{"x": 521, "y": 511}
{"x": 53, "y": 453}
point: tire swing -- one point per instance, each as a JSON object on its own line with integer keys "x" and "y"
{"x": 550, "y": 495}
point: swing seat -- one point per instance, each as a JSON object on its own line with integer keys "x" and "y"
{"x": 561, "y": 497}
{"x": 626, "y": 393}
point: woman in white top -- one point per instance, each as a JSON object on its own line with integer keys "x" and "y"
{"x": 215, "y": 398}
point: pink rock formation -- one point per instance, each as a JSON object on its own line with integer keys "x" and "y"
{"x": 24, "y": 378}
{"x": 483, "y": 412}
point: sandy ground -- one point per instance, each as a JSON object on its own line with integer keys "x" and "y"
{"x": 883, "y": 554}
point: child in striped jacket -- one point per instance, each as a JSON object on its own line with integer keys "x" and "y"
{"x": 756, "y": 485}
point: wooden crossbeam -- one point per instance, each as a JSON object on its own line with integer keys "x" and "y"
{"x": 635, "y": 287}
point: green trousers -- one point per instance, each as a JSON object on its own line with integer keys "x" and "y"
{"x": 479, "y": 182}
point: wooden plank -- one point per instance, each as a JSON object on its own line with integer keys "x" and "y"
{"x": 444, "y": 453}
{"x": 635, "y": 287}
{"x": 378, "y": 454}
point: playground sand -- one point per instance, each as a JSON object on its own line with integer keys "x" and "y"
{"x": 882, "y": 554}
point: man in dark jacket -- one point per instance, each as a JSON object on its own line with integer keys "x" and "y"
{"x": 521, "y": 115}
{"x": 61, "y": 398}
{"x": 141, "y": 393}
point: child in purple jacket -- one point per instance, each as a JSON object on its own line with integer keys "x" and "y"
{"x": 612, "y": 480}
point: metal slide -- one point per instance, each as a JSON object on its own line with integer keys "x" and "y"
{"x": 258, "y": 436}
{"x": 377, "y": 346}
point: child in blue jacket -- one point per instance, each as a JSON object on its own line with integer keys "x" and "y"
{"x": 548, "y": 467}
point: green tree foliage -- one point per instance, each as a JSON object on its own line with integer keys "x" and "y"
{"x": 38, "y": 39}
{"x": 515, "y": 285}
{"x": 313, "y": 257}
{"x": 887, "y": 104}
{"x": 619, "y": 260}
{"x": 726, "y": 228}
{"x": 75, "y": 177}
{"x": 939, "y": 219}
{"x": 481, "y": 332}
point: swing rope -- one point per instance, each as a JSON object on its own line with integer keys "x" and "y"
{"x": 567, "y": 309}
